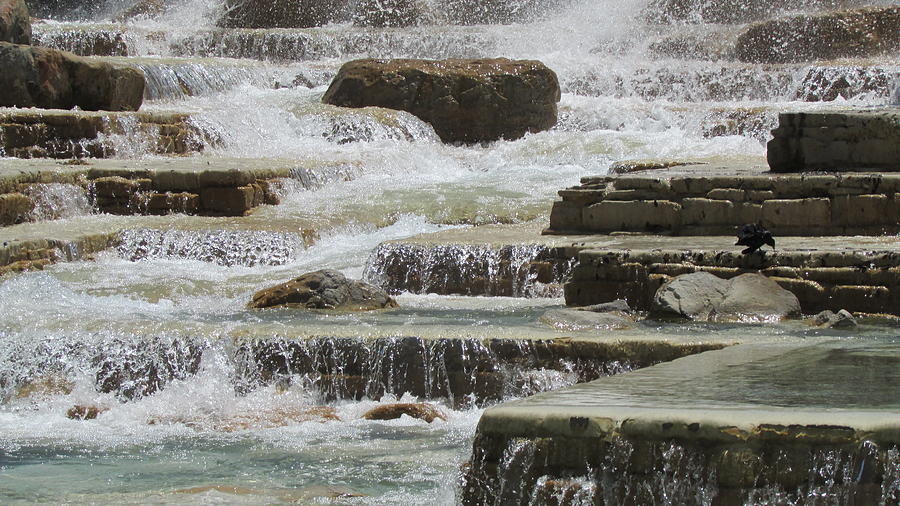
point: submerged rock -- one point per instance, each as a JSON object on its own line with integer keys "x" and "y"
{"x": 325, "y": 289}
{"x": 418, "y": 410}
{"x": 703, "y": 296}
{"x": 580, "y": 319}
{"x": 15, "y": 23}
{"x": 53, "y": 79}
{"x": 852, "y": 33}
{"x": 843, "y": 319}
{"x": 84, "y": 412}
{"x": 232, "y": 422}
{"x": 465, "y": 100}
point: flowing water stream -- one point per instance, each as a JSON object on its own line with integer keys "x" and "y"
{"x": 162, "y": 317}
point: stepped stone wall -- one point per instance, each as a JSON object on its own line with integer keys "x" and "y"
{"x": 80, "y": 134}
{"x": 859, "y": 281}
{"x": 804, "y": 205}
{"x": 849, "y": 140}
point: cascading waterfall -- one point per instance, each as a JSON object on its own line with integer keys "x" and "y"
{"x": 196, "y": 398}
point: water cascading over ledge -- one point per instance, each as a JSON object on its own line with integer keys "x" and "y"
{"x": 512, "y": 270}
{"x": 465, "y": 372}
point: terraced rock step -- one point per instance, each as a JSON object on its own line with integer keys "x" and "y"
{"x": 223, "y": 187}
{"x": 509, "y": 260}
{"x": 858, "y": 274}
{"x": 48, "y": 133}
{"x": 694, "y": 425}
{"x": 854, "y": 273}
{"x": 465, "y": 371}
{"x": 710, "y": 204}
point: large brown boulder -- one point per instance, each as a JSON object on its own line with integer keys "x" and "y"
{"x": 325, "y": 289}
{"x": 53, "y": 79}
{"x": 853, "y": 33}
{"x": 283, "y": 13}
{"x": 464, "y": 100}
{"x": 15, "y": 23}
{"x": 704, "y": 296}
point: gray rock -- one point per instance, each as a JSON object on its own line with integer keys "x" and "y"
{"x": 696, "y": 296}
{"x": 843, "y": 319}
{"x": 325, "y": 289}
{"x": 703, "y": 296}
{"x": 15, "y": 23}
{"x": 52, "y": 79}
{"x": 465, "y": 100}
{"x": 575, "y": 319}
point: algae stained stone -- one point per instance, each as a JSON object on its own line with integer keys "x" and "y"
{"x": 465, "y": 100}
{"x": 324, "y": 289}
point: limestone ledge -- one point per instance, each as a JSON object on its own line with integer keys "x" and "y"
{"x": 466, "y": 371}
{"x": 227, "y": 187}
{"x": 860, "y": 274}
{"x": 35, "y": 254}
{"x": 795, "y": 205}
{"x": 867, "y": 139}
{"x": 865, "y": 280}
{"x": 50, "y": 133}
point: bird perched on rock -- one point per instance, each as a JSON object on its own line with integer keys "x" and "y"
{"x": 754, "y": 236}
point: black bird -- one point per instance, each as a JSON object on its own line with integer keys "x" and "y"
{"x": 754, "y": 236}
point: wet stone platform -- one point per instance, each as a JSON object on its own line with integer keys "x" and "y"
{"x": 747, "y": 424}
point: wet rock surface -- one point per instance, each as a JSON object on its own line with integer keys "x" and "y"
{"x": 843, "y": 319}
{"x": 392, "y": 13}
{"x": 419, "y": 410}
{"x": 15, "y": 23}
{"x": 52, "y": 79}
{"x": 703, "y": 296}
{"x": 466, "y": 101}
{"x": 325, "y": 289}
{"x": 282, "y": 13}
{"x": 852, "y": 33}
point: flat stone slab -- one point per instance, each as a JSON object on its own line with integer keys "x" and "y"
{"x": 861, "y": 139}
{"x": 740, "y": 420}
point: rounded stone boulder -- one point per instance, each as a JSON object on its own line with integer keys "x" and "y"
{"x": 51, "y": 79}
{"x": 465, "y": 100}
{"x": 704, "y": 296}
{"x": 325, "y": 289}
{"x": 15, "y": 23}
